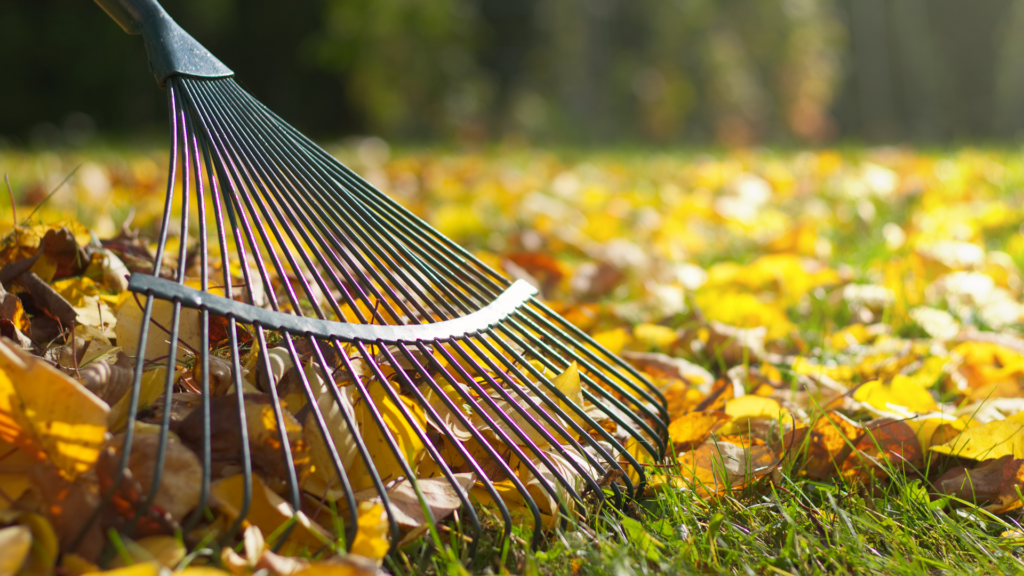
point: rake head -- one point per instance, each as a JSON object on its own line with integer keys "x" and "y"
{"x": 320, "y": 341}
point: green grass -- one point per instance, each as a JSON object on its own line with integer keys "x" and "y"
{"x": 778, "y": 527}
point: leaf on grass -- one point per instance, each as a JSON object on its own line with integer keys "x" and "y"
{"x": 48, "y": 414}
{"x": 371, "y": 539}
{"x": 717, "y": 467}
{"x": 992, "y": 440}
{"x": 269, "y": 512}
{"x": 440, "y": 495}
{"x": 885, "y": 444}
{"x": 650, "y": 546}
{"x": 901, "y": 395}
{"x": 692, "y": 429}
{"x": 748, "y": 408}
{"x": 824, "y": 445}
{"x": 994, "y": 482}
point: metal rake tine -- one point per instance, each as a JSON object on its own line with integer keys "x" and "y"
{"x": 555, "y": 443}
{"x": 519, "y": 376}
{"x": 326, "y": 194}
{"x": 380, "y": 296}
{"x": 518, "y": 431}
{"x": 449, "y": 403}
{"x": 351, "y": 525}
{"x": 588, "y": 392}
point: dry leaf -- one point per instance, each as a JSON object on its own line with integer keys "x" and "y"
{"x": 48, "y": 414}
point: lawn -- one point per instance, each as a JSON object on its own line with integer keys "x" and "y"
{"x": 837, "y": 333}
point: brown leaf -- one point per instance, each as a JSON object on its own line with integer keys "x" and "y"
{"x": 828, "y": 442}
{"x": 721, "y": 392}
{"x": 48, "y": 300}
{"x": 665, "y": 366}
{"x": 885, "y": 442}
{"x": 108, "y": 381}
{"x": 125, "y": 510}
{"x": 64, "y": 254}
{"x": 69, "y": 507}
{"x": 181, "y": 478}
{"x": 993, "y": 482}
{"x": 264, "y": 436}
{"x": 716, "y": 467}
{"x": 440, "y": 496}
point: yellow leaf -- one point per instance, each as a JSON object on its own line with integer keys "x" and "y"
{"x": 384, "y": 460}
{"x": 568, "y": 383}
{"x": 47, "y": 413}
{"x": 371, "y": 539}
{"x": 691, "y": 429}
{"x": 166, "y": 551}
{"x": 654, "y": 336}
{"x": 988, "y": 441}
{"x": 45, "y": 546}
{"x": 268, "y": 512}
{"x": 75, "y": 565}
{"x": 153, "y": 384}
{"x": 747, "y": 408}
{"x": 202, "y": 571}
{"x": 15, "y": 544}
{"x": 744, "y": 311}
{"x": 14, "y": 469}
{"x": 128, "y": 327}
{"x": 901, "y": 395}
{"x": 938, "y": 428}
{"x": 143, "y": 569}
{"x": 614, "y": 340}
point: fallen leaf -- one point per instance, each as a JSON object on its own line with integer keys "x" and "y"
{"x": 439, "y": 494}
{"x": 48, "y": 414}
{"x": 901, "y": 395}
{"x": 995, "y": 483}
{"x": 15, "y": 544}
{"x": 988, "y": 441}
{"x": 371, "y": 539}
{"x": 692, "y": 429}
{"x": 269, "y": 512}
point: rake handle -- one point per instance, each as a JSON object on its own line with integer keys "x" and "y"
{"x": 171, "y": 50}
{"x": 131, "y": 14}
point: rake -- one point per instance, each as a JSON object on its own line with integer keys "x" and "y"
{"x": 282, "y": 248}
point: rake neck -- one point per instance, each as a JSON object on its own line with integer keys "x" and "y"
{"x": 171, "y": 50}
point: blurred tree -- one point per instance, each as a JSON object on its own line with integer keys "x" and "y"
{"x": 410, "y": 64}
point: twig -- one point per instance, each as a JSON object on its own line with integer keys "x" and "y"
{"x": 14, "y": 207}
{"x": 50, "y": 195}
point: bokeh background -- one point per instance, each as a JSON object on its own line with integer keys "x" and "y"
{"x": 724, "y": 72}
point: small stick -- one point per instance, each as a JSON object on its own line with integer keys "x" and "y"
{"x": 74, "y": 350}
{"x": 14, "y": 208}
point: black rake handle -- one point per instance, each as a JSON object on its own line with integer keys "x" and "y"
{"x": 171, "y": 50}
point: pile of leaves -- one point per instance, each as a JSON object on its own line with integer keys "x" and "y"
{"x": 842, "y": 319}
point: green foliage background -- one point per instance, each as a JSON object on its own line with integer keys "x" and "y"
{"x": 731, "y": 72}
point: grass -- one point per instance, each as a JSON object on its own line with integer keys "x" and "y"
{"x": 782, "y": 526}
